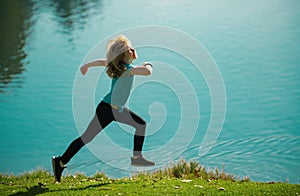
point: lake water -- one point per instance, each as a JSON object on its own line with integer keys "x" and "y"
{"x": 255, "y": 45}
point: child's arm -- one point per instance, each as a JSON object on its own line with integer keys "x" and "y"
{"x": 145, "y": 69}
{"x": 100, "y": 62}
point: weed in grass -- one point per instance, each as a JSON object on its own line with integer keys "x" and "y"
{"x": 183, "y": 169}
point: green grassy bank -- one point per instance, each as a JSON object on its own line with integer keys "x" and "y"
{"x": 181, "y": 179}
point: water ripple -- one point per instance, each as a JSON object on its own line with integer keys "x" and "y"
{"x": 271, "y": 153}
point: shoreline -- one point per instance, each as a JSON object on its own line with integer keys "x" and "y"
{"x": 183, "y": 178}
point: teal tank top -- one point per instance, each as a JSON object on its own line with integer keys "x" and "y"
{"x": 120, "y": 89}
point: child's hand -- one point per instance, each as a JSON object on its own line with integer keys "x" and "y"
{"x": 84, "y": 69}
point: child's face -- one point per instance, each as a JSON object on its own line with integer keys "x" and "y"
{"x": 130, "y": 55}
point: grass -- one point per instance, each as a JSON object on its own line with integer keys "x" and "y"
{"x": 182, "y": 178}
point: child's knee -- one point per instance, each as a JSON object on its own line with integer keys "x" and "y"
{"x": 141, "y": 129}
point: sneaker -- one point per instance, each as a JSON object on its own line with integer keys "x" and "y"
{"x": 57, "y": 169}
{"x": 141, "y": 161}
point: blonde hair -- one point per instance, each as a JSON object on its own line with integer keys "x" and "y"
{"x": 115, "y": 53}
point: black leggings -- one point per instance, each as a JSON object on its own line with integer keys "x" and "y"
{"x": 105, "y": 114}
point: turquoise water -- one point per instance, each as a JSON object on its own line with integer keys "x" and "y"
{"x": 255, "y": 45}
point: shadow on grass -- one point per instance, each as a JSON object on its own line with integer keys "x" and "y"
{"x": 33, "y": 191}
{"x": 38, "y": 189}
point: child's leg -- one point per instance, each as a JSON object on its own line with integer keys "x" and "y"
{"x": 102, "y": 118}
{"x": 92, "y": 130}
{"x": 130, "y": 118}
